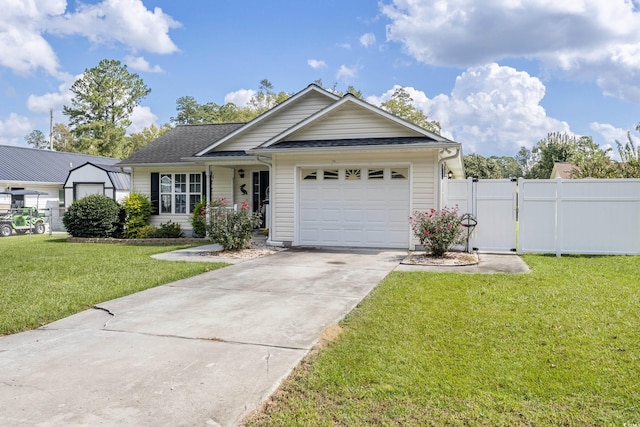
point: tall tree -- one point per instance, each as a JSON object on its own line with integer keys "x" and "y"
{"x": 401, "y": 105}
{"x": 37, "y": 139}
{"x": 104, "y": 98}
{"x": 266, "y": 98}
{"x": 556, "y": 147}
{"x": 62, "y": 138}
{"x": 630, "y": 157}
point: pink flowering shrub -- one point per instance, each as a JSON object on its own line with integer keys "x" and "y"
{"x": 437, "y": 231}
{"x": 233, "y": 229}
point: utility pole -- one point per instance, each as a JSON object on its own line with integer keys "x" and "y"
{"x": 51, "y": 129}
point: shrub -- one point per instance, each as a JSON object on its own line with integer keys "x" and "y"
{"x": 199, "y": 219}
{"x": 170, "y": 230}
{"x": 92, "y": 216}
{"x": 233, "y": 229}
{"x": 137, "y": 209}
{"x": 437, "y": 231}
{"x": 146, "y": 232}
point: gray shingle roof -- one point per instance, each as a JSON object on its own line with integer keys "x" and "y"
{"x": 181, "y": 141}
{"x": 31, "y": 165}
{"x": 353, "y": 142}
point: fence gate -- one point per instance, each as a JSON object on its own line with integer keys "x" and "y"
{"x": 493, "y": 202}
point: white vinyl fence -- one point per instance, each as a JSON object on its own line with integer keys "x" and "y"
{"x": 586, "y": 216}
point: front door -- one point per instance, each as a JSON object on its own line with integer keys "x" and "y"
{"x": 260, "y": 194}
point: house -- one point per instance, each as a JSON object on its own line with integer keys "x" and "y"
{"x": 562, "y": 170}
{"x": 46, "y": 171}
{"x": 325, "y": 170}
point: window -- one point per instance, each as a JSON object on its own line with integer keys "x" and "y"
{"x": 352, "y": 174}
{"x": 309, "y": 174}
{"x": 400, "y": 173}
{"x": 330, "y": 174}
{"x": 176, "y": 190}
{"x": 376, "y": 174}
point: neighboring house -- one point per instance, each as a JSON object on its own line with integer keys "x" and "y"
{"x": 42, "y": 170}
{"x": 325, "y": 170}
{"x": 562, "y": 170}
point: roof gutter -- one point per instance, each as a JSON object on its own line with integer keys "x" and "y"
{"x": 446, "y": 145}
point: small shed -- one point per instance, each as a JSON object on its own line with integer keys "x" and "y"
{"x": 93, "y": 178}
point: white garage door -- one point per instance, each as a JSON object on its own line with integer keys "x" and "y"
{"x": 362, "y": 207}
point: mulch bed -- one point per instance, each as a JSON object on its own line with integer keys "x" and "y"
{"x": 451, "y": 259}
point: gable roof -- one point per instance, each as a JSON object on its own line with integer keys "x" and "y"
{"x": 180, "y": 142}
{"x": 24, "y": 164}
{"x": 563, "y": 170}
{"x": 351, "y": 99}
{"x": 291, "y": 100}
{"x": 119, "y": 179}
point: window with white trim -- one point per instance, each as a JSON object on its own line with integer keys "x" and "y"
{"x": 178, "y": 189}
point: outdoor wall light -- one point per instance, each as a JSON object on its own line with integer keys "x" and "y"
{"x": 241, "y": 173}
{"x": 450, "y": 175}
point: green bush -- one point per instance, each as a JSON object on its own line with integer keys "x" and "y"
{"x": 138, "y": 210}
{"x": 146, "y": 232}
{"x": 170, "y": 230}
{"x": 92, "y": 216}
{"x": 199, "y": 219}
{"x": 230, "y": 228}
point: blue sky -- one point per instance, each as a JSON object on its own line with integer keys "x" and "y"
{"x": 497, "y": 76}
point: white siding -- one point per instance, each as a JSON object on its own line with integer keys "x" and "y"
{"x": 421, "y": 163}
{"x": 277, "y": 123}
{"x": 351, "y": 121}
{"x": 222, "y": 183}
{"x": 48, "y": 203}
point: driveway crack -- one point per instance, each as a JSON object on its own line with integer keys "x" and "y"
{"x": 97, "y": 307}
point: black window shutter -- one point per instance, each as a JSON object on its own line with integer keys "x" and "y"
{"x": 205, "y": 185}
{"x": 155, "y": 192}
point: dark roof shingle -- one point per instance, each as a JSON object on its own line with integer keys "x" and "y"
{"x": 181, "y": 141}
{"x": 353, "y": 142}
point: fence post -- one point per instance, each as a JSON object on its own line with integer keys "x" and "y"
{"x": 519, "y": 221}
{"x": 558, "y": 221}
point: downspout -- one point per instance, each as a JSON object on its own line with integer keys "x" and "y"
{"x": 440, "y": 177}
{"x": 207, "y": 200}
{"x": 265, "y": 161}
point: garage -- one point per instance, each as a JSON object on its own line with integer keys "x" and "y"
{"x": 354, "y": 206}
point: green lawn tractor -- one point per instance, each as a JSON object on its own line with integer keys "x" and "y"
{"x": 22, "y": 220}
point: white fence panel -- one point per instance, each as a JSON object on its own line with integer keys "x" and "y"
{"x": 495, "y": 210}
{"x": 591, "y": 216}
{"x": 493, "y": 203}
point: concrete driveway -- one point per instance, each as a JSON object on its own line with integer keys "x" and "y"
{"x": 201, "y": 351}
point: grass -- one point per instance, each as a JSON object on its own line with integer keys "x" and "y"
{"x": 43, "y": 279}
{"x": 557, "y": 346}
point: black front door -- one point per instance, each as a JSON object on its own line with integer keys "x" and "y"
{"x": 260, "y": 192}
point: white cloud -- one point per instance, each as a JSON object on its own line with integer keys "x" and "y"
{"x": 240, "y": 97}
{"x": 609, "y": 133}
{"x": 141, "y": 118}
{"x": 53, "y": 100}
{"x": 587, "y": 39}
{"x": 368, "y": 39}
{"x": 128, "y": 22}
{"x": 344, "y": 45}
{"x": 140, "y": 64}
{"x": 347, "y": 73}
{"x": 13, "y": 129}
{"x": 316, "y": 64}
{"x": 492, "y": 110}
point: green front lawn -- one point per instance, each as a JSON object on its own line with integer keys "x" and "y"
{"x": 43, "y": 279}
{"x": 557, "y": 346}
